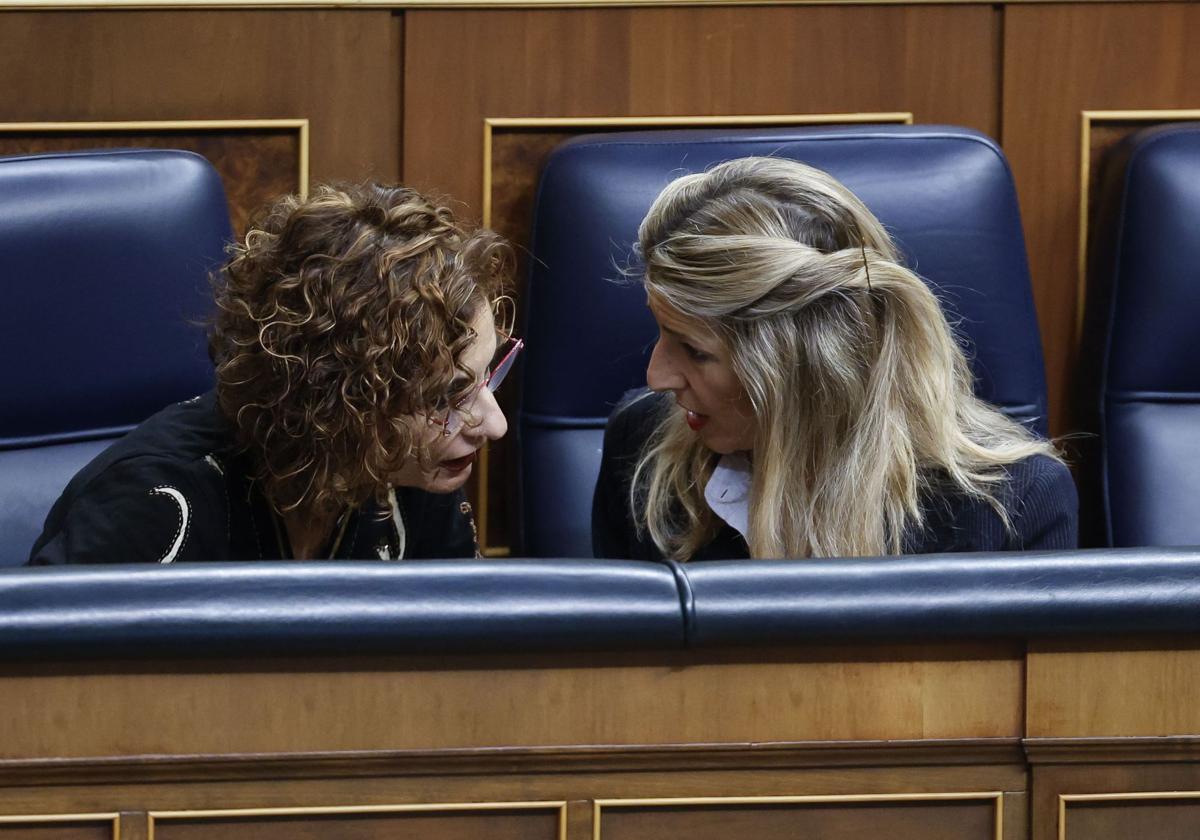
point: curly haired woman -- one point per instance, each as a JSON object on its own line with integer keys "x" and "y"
{"x": 356, "y": 354}
{"x": 811, "y": 399}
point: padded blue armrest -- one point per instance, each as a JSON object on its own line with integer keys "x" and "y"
{"x": 943, "y": 596}
{"x": 84, "y": 612}
{"x": 529, "y": 606}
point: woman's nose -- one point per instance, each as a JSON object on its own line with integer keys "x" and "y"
{"x": 661, "y": 373}
{"x": 492, "y": 425}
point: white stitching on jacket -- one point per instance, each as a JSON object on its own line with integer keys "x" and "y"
{"x": 185, "y": 521}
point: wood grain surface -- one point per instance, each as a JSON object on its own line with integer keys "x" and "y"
{"x": 339, "y": 69}
{"x": 1127, "y": 815}
{"x": 941, "y": 63}
{"x": 448, "y": 825}
{"x": 944, "y": 820}
{"x": 50, "y": 830}
{"x": 916, "y": 692}
{"x": 1094, "y": 689}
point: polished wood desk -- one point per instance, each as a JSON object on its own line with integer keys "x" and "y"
{"x": 1085, "y": 739}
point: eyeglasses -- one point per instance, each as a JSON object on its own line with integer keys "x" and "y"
{"x": 454, "y": 419}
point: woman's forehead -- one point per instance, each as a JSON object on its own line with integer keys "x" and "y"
{"x": 675, "y": 321}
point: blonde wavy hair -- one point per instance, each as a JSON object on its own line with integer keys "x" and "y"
{"x": 339, "y": 318}
{"x": 862, "y": 397}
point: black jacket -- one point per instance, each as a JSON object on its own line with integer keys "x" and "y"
{"x": 1039, "y": 496}
{"x": 176, "y": 489}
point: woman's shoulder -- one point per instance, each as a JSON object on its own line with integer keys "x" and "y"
{"x": 1038, "y": 497}
{"x": 1044, "y": 503}
{"x": 1040, "y": 476}
{"x": 152, "y": 495}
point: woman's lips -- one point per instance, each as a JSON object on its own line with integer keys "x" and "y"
{"x": 695, "y": 421}
{"x": 456, "y": 465}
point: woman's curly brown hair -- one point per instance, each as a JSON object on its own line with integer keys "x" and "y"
{"x": 339, "y": 318}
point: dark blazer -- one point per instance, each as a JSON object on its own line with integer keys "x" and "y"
{"x": 1039, "y": 497}
{"x": 177, "y": 489}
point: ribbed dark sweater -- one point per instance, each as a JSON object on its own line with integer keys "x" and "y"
{"x": 1039, "y": 497}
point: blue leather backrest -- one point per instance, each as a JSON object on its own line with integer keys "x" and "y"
{"x": 1144, "y": 328}
{"x": 106, "y": 261}
{"x": 945, "y": 194}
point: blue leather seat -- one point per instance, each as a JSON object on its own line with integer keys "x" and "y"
{"x": 106, "y": 259}
{"x": 1141, "y": 340}
{"x": 945, "y": 193}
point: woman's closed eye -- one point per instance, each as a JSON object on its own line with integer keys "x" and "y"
{"x": 694, "y": 353}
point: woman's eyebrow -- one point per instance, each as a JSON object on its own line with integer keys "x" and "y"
{"x": 690, "y": 339}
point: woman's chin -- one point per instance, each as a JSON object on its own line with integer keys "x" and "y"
{"x": 445, "y": 480}
{"x": 445, "y": 477}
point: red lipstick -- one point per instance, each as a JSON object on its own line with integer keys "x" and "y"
{"x": 458, "y": 464}
{"x": 695, "y": 421}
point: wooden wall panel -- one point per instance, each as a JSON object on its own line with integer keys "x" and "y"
{"x": 1060, "y": 60}
{"x": 953, "y": 819}
{"x": 1122, "y": 818}
{"x": 482, "y": 824}
{"x": 339, "y": 69}
{"x": 51, "y": 827}
{"x": 941, "y": 63}
{"x": 1157, "y": 801}
{"x": 29, "y": 831}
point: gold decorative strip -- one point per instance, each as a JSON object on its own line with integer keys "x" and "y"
{"x": 299, "y": 125}
{"x": 491, "y": 124}
{"x": 1086, "y": 121}
{"x": 996, "y": 797}
{"x": 43, "y": 5}
{"x": 1064, "y": 798}
{"x": 424, "y": 807}
{"x": 42, "y": 819}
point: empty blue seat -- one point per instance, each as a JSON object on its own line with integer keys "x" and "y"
{"x": 1141, "y": 344}
{"x": 945, "y": 194}
{"x": 107, "y": 257}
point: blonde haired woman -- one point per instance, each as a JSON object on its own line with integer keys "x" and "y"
{"x": 808, "y": 398}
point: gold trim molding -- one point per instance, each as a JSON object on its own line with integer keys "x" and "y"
{"x": 996, "y": 797}
{"x": 491, "y": 124}
{"x": 1065, "y": 798}
{"x": 131, "y": 126}
{"x": 41, "y": 820}
{"x": 1086, "y": 120}
{"x": 128, "y": 5}
{"x": 424, "y": 807}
